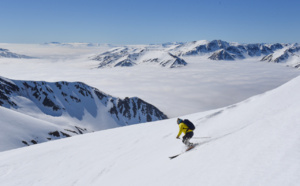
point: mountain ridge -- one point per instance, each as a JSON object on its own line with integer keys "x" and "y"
{"x": 88, "y": 108}
{"x": 215, "y": 50}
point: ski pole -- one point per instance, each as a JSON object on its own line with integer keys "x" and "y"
{"x": 200, "y": 137}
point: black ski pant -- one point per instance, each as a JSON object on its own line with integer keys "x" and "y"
{"x": 186, "y": 138}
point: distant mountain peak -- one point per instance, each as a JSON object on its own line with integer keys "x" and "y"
{"x": 221, "y": 55}
{"x": 5, "y": 53}
{"x": 130, "y": 56}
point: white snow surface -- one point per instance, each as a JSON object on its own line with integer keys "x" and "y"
{"x": 254, "y": 142}
{"x": 279, "y": 52}
{"x": 192, "y": 45}
{"x": 17, "y": 127}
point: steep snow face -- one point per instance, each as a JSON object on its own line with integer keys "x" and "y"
{"x": 243, "y": 144}
{"x": 84, "y": 108}
{"x": 5, "y": 53}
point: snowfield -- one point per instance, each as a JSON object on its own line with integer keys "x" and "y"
{"x": 254, "y": 142}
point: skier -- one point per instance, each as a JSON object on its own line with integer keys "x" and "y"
{"x": 183, "y": 127}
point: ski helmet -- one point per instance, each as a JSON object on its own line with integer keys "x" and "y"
{"x": 179, "y": 121}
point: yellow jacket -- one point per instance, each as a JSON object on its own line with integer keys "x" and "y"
{"x": 183, "y": 128}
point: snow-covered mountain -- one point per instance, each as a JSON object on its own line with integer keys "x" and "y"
{"x": 222, "y": 50}
{"x": 221, "y": 55}
{"x": 238, "y": 51}
{"x": 130, "y": 56}
{"x": 278, "y": 56}
{"x": 73, "y": 107}
{"x": 5, "y": 53}
{"x": 254, "y": 142}
{"x": 163, "y": 58}
{"x": 289, "y": 55}
{"x": 75, "y": 44}
{"x": 172, "y": 54}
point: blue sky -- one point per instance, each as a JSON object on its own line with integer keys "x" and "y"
{"x": 149, "y": 21}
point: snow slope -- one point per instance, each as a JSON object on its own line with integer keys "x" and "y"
{"x": 254, "y": 142}
{"x": 17, "y": 127}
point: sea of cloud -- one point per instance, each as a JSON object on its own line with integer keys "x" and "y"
{"x": 199, "y": 86}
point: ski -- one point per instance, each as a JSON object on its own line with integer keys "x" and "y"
{"x": 190, "y": 148}
{"x": 172, "y": 157}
